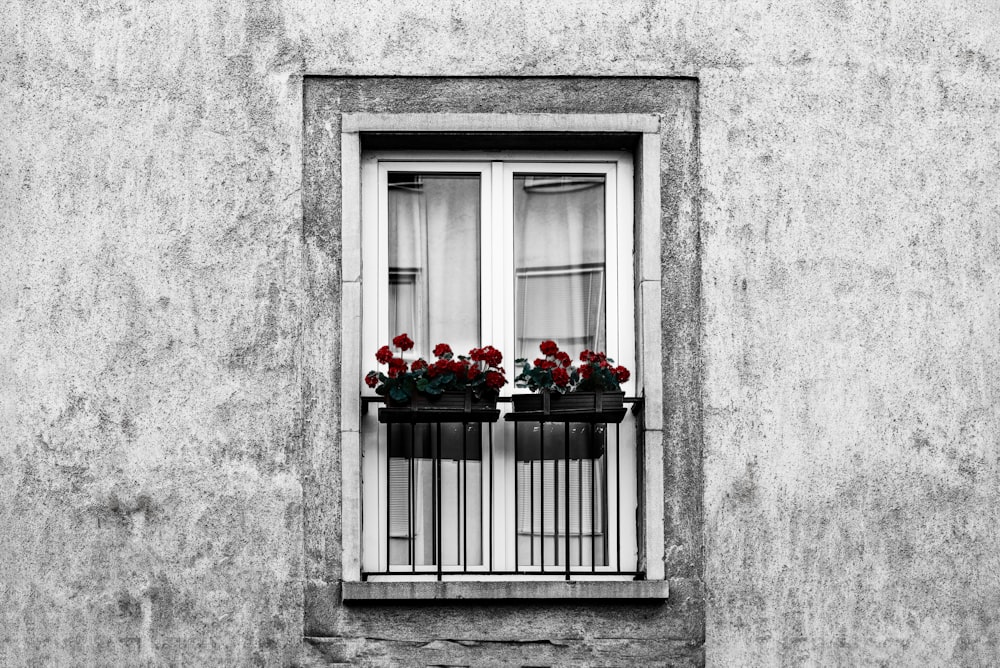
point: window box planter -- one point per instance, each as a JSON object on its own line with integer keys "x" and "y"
{"x": 545, "y": 406}
{"x": 452, "y": 406}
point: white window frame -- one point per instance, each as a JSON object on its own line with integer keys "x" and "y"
{"x": 497, "y": 269}
{"x": 644, "y": 346}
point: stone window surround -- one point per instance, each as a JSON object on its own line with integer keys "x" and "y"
{"x": 651, "y": 209}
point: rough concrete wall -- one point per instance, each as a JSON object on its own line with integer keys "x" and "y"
{"x": 853, "y": 400}
{"x": 149, "y": 496}
{"x": 148, "y": 506}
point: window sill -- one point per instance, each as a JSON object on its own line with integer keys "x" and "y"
{"x": 362, "y": 592}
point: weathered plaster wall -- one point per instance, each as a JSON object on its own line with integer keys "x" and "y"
{"x": 152, "y": 278}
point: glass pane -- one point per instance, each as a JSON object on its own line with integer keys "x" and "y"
{"x": 559, "y": 262}
{"x": 561, "y": 496}
{"x": 434, "y": 264}
{"x": 435, "y": 495}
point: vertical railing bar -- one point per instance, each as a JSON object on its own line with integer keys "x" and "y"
{"x": 465, "y": 498}
{"x": 531, "y": 497}
{"x": 481, "y": 473}
{"x": 437, "y": 465}
{"x": 517, "y": 518}
{"x": 555, "y": 505}
{"x": 541, "y": 493}
{"x": 606, "y": 504}
{"x": 434, "y": 494}
{"x": 618, "y": 499}
{"x": 411, "y": 536}
{"x": 567, "y": 502}
{"x": 593, "y": 505}
{"x": 388, "y": 496}
{"x": 579, "y": 507}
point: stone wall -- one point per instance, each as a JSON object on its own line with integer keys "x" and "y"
{"x": 152, "y": 289}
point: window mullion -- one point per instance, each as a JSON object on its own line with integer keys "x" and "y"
{"x": 491, "y": 233}
{"x": 504, "y": 223}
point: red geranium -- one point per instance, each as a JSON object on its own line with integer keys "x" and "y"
{"x": 556, "y": 372}
{"x": 403, "y": 342}
{"x": 479, "y": 372}
{"x": 489, "y": 354}
{"x": 397, "y": 365}
{"x": 493, "y": 356}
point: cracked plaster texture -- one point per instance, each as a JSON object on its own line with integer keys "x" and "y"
{"x": 152, "y": 284}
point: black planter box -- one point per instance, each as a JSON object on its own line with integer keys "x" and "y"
{"x": 571, "y": 407}
{"x": 445, "y": 407}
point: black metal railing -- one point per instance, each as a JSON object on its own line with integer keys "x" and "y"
{"x": 567, "y": 517}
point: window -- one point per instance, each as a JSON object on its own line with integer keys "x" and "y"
{"x": 509, "y": 249}
{"x": 334, "y": 426}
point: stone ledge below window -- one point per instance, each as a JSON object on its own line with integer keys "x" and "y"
{"x": 370, "y": 592}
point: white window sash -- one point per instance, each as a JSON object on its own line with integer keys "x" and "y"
{"x": 497, "y": 267}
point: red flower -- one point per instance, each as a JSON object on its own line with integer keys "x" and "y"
{"x": 548, "y": 347}
{"x": 585, "y": 371}
{"x": 418, "y": 365}
{"x": 545, "y": 364}
{"x": 442, "y": 349}
{"x": 563, "y": 358}
{"x": 560, "y": 377}
{"x": 472, "y": 373}
{"x": 622, "y": 374}
{"x": 438, "y": 368}
{"x": 371, "y": 380}
{"x": 403, "y": 342}
{"x": 396, "y": 367}
{"x": 494, "y": 381}
{"x": 492, "y": 356}
{"x": 383, "y": 355}
{"x": 457, "y": 367}
{"x": 489, "y": 354}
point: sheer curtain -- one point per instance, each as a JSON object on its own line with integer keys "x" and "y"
{"x": 434, "y": 267}
{"x": 559, "y": 261}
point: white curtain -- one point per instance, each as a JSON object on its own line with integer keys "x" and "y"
{"x": 434, "y": 267}
{"x": 559, "y": 261}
